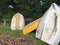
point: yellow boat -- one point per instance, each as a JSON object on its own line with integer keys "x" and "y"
{"x": 31, "y": 26}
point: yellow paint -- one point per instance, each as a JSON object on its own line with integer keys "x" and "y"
{"x": 31, "y": 27}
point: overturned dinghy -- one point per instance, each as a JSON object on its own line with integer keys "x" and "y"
{"x": 17, "y": 22}
{"x": 49, "y": 27}
{"x": 31, "y": 26}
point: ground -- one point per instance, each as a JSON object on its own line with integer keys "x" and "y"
{"x": 16, "y": 37}
{"x": 12, "y": 40}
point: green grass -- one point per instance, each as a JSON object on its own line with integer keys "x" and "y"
{"x": 6, "y": 30}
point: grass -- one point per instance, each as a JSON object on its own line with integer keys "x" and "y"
{"x": 6, "y": 30}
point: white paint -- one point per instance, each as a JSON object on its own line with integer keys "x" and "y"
{"x": 49, "y": 31}
{"x": 11, "y": 6}
{"x": 17, "y": 20}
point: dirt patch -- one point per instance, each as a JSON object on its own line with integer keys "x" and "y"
{"x": 11, "y": 40}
